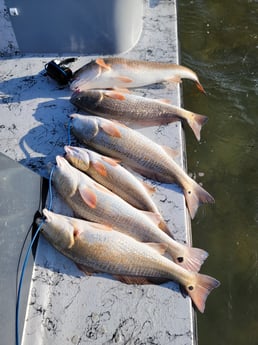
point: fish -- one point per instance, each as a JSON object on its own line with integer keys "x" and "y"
{"x": 139, "y": 153}
{"x": 109, "y": 173}
{"x": 91, "y": 201}
{"x": 101, "y": 248}
{"x": 128, "y": 107}
{"x": 116, "y": 72}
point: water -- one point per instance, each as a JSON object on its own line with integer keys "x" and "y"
{"x": 219, "y": 40}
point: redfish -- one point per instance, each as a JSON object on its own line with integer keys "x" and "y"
{"x": 128, "y": 107}
{"x": 100, "y": 248}
{"x": 109, "y": 173}
{"x": 139, "y": 153}
{"x": 90, "y": 200}
{"x": 116, "y": 72}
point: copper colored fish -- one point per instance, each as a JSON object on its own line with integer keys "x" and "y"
{"x": 100, "y": 248}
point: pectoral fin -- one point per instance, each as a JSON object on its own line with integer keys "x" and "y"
{"x": 88, "y": 196}
{"x": 102, "y": 64}
{"x": 100, "y": 168}
{"x": 115, "y": 95}
{"x": 111, "y": 129}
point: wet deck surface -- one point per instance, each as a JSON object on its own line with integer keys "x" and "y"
{"x": 65, "y": 306}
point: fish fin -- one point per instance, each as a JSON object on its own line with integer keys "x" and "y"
{"x": 85, "y": 269}
{"x": 154, "y": 217}
{"x": 200, "y": 87}
{"x": 124, "y": 79}
{"x": 111, "y": 161}
{"x": 150, "y": 189}
{"x": 161, "y": 248}
{"x": 102, "y": 64}
{"x": 174, "y": 79}
{"x": 121, "y": 89}
{"x": 166, "y": 101}
{"x": 88, "y": 196}
{"x": 196, "y": 195}
{"x": 171, "y": 152}
{"x": 99, "y": 167}
{"x": 200, "y": 290}
{"x": 196, "y": 122}
{"x": 164, "y": 227}
{"x": 132, "y": 280}
{"x": 111, "y": 129}
{"x": 191, "y": 258}
{"x": 115, "y": 95}
{"x": 99, "y": 226}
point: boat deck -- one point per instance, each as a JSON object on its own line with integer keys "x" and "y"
{"x": 64, "y": 305}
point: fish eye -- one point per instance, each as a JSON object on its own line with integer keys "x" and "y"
{"x": 190, "y": 287}
{"x": 180, "y": 259}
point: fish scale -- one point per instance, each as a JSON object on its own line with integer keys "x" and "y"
{"x": 120, "y": 72}
{"x": 128, "y": 107}
{"x": 139, "y": 153}
{"x": 103, "y": 249}
{"x": 90, "y": 200}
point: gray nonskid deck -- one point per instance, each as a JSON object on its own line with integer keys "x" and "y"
{"x": 65, "y": 306}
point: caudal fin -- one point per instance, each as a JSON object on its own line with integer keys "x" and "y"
{"x": 196, "y": 122}
{"x": 195, "y": 195}
{"x": 200, "y": 289}
{"x": 200, "y": 87}
{"x": 191, "y": 258}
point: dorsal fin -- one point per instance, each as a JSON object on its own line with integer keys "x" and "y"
{"x": 150, "y": 189}
{"x": 161, "y": 248}
{"x": 111, "y": 161}
{"x": 171, "y": 152}
{"x": 99, "y": 226}
{"x": 154, "y": 217}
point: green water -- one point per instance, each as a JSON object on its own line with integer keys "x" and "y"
{"x": 219, "y": 40}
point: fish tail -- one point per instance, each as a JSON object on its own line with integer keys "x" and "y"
{"x": 200, "y": 87}
{"x": 196, "y": 122}
{"x": 200, "y": 289}
{"x": 195, "y": 195}
{"x": 191, "y": 258}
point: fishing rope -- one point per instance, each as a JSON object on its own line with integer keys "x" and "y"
{"x": 24, "y": 266}
{"x": 25, "y": 263}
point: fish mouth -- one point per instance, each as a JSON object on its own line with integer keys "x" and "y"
{"x": 60, "y": 161}
{"x": 68, "y": 150}
{"x": 47, "y": 216}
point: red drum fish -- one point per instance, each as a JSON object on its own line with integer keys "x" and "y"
{"x": 100, "y": 248}
{"x": 116, "y": 72}
{"x": 127, "y": 107}
{"x": 90, "y": 200}
{"x": 139, "y": 153}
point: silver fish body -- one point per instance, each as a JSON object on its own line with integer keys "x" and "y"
{"x": 92, "y": 201}
{"x": 139, "y": 153}
{"x": 132, "y": 108}
{"x": 116, "y": 72}
{"x": 109, "y": 173}
{"x": 103, "y": 249}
